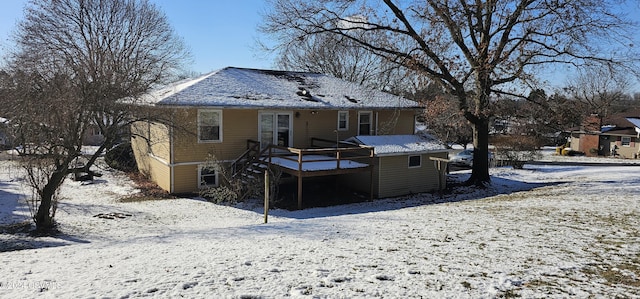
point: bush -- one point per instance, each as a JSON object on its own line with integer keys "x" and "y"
{"x": 121, "y": 157}
{"x": 220, "y": 194}
{"x": 517, "y": 149}
{"x": 570, "y": 152}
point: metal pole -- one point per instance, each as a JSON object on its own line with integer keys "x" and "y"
{"x": 266, "y": 195}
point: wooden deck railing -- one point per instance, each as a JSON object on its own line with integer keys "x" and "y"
{"x": 241, "y": 163}
{"x": 339, "y": 154}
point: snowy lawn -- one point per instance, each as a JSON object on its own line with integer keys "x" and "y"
{"x": 541, "y": 232}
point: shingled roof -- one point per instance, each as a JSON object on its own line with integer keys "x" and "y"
{"x": 253, "y": 88}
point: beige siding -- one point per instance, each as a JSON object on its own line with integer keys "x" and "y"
{"x": 185, "y": 178}
{"x": 309, "y": 123}
{"x": 323, "y": 124}
{"x": 575, "y": 142}
{"x": 238, "y": 125}
{"x": 150, "y": 141}
{"x": 140, "y": 147}
{"x": 160, "y": 141}
{"x": 395, "y": 122}
{"x": 160, "y": 173}
{"x": 242, "y": 124}
{"x": 395, "y": 178}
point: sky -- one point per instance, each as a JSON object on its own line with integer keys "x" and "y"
{"x": 218, "y": 33}
{"x": 223, "y": 33}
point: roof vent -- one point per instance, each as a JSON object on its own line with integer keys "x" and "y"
{"x": 305, "y": 94}
{"x": 352, "y": 100}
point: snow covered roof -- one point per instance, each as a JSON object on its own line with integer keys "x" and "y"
{"x": 249, "y": 88}
{"x": 387, "y": 145}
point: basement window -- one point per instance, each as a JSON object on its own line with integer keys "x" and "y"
{"x": 207, "y": 176}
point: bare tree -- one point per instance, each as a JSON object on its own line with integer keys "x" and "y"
{"x": 474, "y": 49}
{"x": 601, "y": 90}
{"x": 342, "y": 58}
{"x": 81, "y": 63}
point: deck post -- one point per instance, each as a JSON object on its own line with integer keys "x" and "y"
{"x": 371, "y": 183}
{"x": 299, "y": 191}
{"x": 371, "y": 173}
{"x": 440, "y": 165}
{"x": 300, "y": 180}
{"x": 267, "y": 186}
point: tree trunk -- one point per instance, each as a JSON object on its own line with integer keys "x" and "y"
{"x": 43, "y": 219}
{"x": 46, "y": 209}
{"x": 94, "y": 157}
{"x": 480, "y": 169}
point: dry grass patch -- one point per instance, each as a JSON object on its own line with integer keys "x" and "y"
{"x": 627, "y": 273}
{"x": 148, "y": 190}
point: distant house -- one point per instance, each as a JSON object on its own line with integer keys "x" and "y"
{"x": 293, "y": 121}
{"x": 4, "y": 136}
{"x": 600, "y": 137}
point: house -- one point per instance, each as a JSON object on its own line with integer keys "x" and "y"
{"x": 4, "y": 137}
{"x": 294, "y": 121}
{"x": 600, "y": 137}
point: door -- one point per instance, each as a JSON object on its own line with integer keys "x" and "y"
{"x": 275, "y": 128}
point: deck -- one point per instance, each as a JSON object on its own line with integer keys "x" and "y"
{"x": 320, "y": 162}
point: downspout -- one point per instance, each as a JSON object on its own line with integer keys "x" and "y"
{"x": 171, "y": 157}
{"x": 377, "y": 116}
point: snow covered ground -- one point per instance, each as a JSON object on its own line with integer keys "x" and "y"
{"x": 542, "y": 232}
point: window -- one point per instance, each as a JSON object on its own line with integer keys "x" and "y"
{"x": 365, "y": 123}
{"x": 209, "y": 126}
{"x": 208, "y": 176}
{"x": 626, "y": 141}
{"x": 415, "y": 161}
{"x": 343, "y": 120}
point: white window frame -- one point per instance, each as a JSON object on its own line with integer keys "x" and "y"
{"x": 200, "y": 140}
{"x": 201, "y": 183}
{"x": 275, "y": 124}
{"x": 628, "y": 143}
{"x": 371, "y": 128}
{"x": 346, "y": 120}
{"x": 414, "y": 166}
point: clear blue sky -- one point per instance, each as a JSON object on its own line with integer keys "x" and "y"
{"x": 219, "y": 33}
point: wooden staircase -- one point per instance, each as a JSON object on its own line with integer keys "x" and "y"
{"x": 249, "y": 168}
